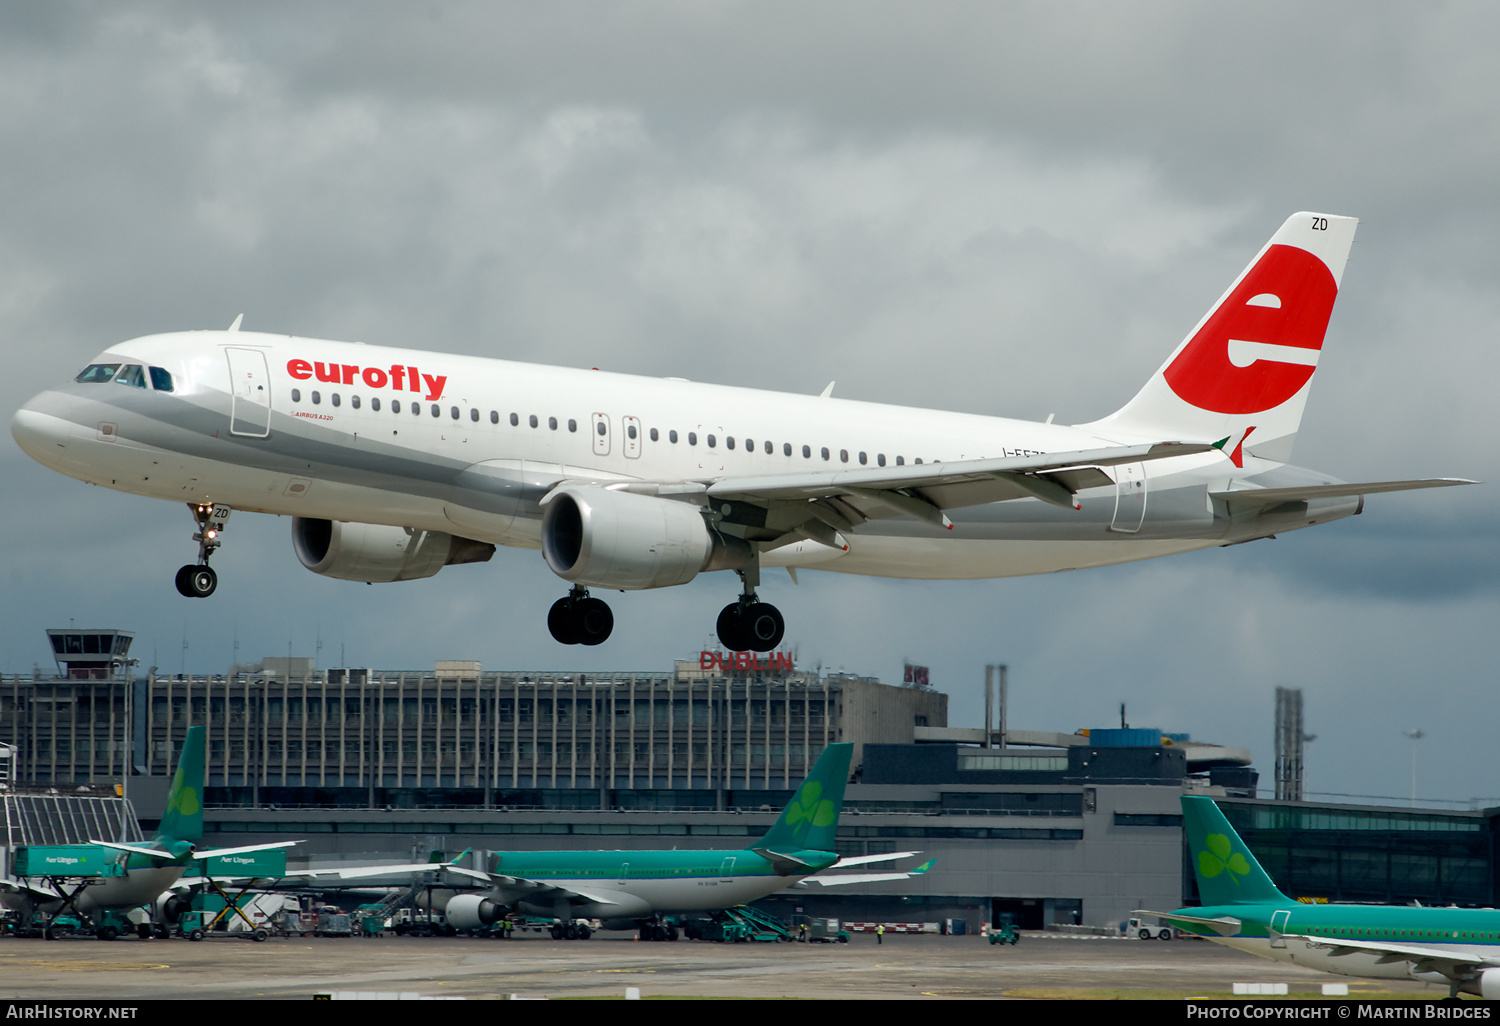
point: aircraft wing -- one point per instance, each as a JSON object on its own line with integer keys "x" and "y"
{"x": 1258, "y": 498}
{"x": 338, "y": 873}
{"x": 510, "y": 890}
{"x": 925, "y": 490}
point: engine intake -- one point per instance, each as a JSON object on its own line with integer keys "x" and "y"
{"x": 471, "y": 911}
{"x": 378, "y": 554}
{"x": 620, "y": 540}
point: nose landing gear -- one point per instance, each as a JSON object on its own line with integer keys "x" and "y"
{"x": 577, "y": 619}
{"x": 198, "y": 580}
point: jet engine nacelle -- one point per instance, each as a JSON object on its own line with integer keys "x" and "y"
{"x": 1489, "y": 985}
{"x": 471, "y": 911}
{"x": 377, "y": 554}
{"x": 621, "y": 540}
{"x": 169, "y": 907}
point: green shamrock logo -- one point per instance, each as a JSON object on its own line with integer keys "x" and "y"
{"x": 809, "y": 808}
{"x": 1221, "y": 857}
{"x": 187, "y": 802}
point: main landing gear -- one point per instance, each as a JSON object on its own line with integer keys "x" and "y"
{"x": 577, "y": 619}
{"x": 750, "y": 625}
{"x": 198, "y": 580}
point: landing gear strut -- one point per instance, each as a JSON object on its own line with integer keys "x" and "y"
{"x": 198, "y": 580}
{"x": 577, "y": 619}
{"x": 750, "y": 624}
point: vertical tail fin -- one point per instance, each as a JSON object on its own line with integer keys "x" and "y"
{"x": 811, "y": 820}
{"x": 1227, "y": 873}
{"x": 1248, "y": 364}
{"x": 183, "y": 818}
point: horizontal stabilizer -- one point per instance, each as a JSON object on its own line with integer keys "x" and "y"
{"x": 864, "y": 860}
{"x": 1263, "y": 497}
{"x": 1224, "y": 926}
{"x": 155, "y": 853}
{"x": 843, "y": 879}
{"x": 211, "y": 853}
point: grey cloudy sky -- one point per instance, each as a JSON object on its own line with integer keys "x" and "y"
{"x": 1001, "y": 208}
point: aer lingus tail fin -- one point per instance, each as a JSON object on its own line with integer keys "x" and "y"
{"x": 1227, "y": 873}
{"x": 812, "y": 819}
{"x": 183, "y": 818}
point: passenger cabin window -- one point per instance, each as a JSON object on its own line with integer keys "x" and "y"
{"x": 474, "y": 414}
{"x": 552, "y": 423}
{"x": 672, "y": 437}
{"x": 807, "y": 452}
{"x": 514, "y": 420}
{"x": 532, "y": 420}
{"x": 692, "y": 438}
{"x": 161, "y": 379}
{"x": 572, "y": 425}
{"x": 654, "y": 435}
{"x": 453, "y": 412}
{"x": 712, "y": 441}
{"x": 334, "y": 398}
{"x": 354, "y": 401}
{"x": 494, "y": 416}
{"x": 97, "y": 372}
{"x": 375, "y": 404}
{"x": 131, "y": 374}
{"x": 296, "y": 395}
{"x": 728, "y": 441}
{"x": 317, "y": 398}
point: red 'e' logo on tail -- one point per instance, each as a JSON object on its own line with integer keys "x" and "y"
{"x": 1260, "y": 346}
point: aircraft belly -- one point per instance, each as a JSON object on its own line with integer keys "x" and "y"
{"x": 947, "y": 559}
{"x": 137, "y": 888}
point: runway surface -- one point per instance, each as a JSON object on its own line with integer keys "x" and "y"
{"x": 906, "y": 967}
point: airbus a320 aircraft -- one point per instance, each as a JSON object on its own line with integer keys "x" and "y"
{"x": 1243, "y": 909}
{"x": 395, "y": 463}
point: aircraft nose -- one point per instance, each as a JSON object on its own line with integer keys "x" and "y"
{"x": 38, "y": 434}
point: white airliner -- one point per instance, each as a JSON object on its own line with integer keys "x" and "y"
{"x": 396, "y": 463}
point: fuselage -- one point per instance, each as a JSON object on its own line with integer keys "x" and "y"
{"x": 637, "y": 884}
{"x": 1320, "y": 936}
{"x": 470, "y": 446}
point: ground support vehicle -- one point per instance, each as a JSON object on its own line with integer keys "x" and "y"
{"x": 1004, "y": 930}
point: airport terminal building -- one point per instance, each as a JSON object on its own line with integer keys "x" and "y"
{"x": 1055, "y": 828}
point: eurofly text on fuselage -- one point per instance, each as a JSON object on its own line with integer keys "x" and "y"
{"x": 396, "y": 463}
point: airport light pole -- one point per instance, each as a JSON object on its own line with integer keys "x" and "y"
{"x": 1414, "y": 735}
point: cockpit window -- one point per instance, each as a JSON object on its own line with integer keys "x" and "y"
{"x": 97, "y": 372}
{"x": 161, "y": 379}
{"x": 131, "y": 374}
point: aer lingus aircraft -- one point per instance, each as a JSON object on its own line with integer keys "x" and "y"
{"x": 145, "y": 873}
{"x": 395, "y": 463}
{"x": 1243, "y": 909}
{"x": 635, "y": 889}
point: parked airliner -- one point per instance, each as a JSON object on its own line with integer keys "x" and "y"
{"x": 144, "y": 874}
{"x": 638, "y": 889}
{"x": 395, "y": 463}
{"x": 1242, "y": 908}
